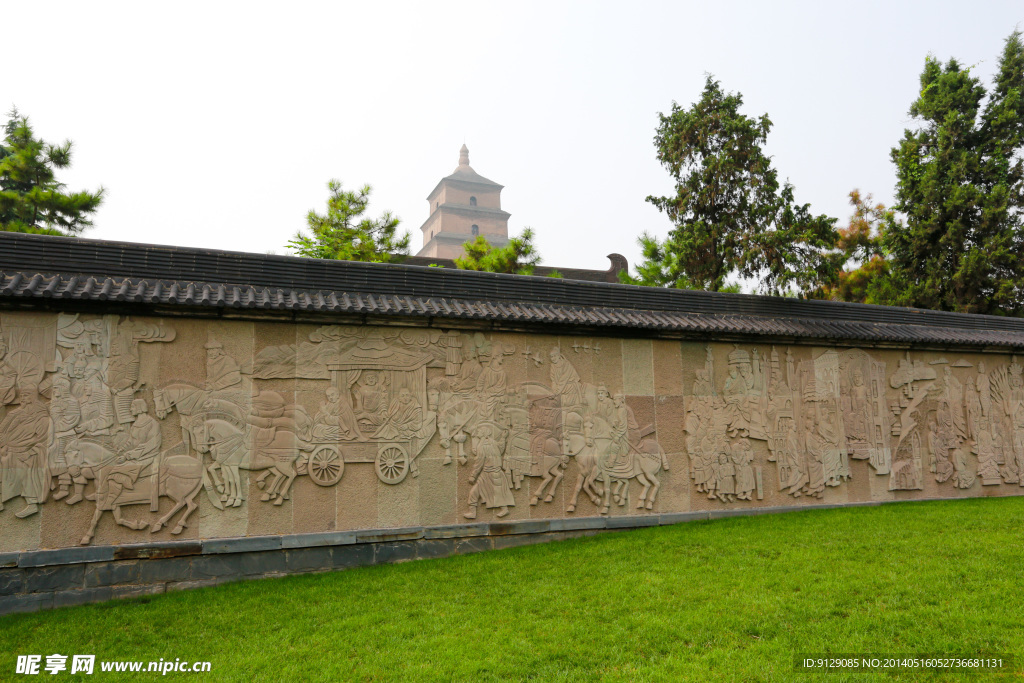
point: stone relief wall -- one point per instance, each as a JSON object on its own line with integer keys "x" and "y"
{"x": 123, "y": 430}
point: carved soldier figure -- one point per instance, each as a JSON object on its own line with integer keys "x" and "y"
{"x": 96, "y": 405}
{"x": 138, "y": 448}
{"x": 23, "y": 447}
{"x": 490, "y": 483}
{"x": 65, "y": 414}
{"x": 222, "y": 371}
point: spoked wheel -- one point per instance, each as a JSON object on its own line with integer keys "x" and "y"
{"x": 326, "y": 466}
{"x": 392, "y": 464}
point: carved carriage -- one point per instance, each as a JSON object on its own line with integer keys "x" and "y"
{"x": 392, "y": 459}
{"x": 392, "y": 450}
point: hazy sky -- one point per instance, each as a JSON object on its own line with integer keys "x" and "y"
{"x": 218, "y": 124}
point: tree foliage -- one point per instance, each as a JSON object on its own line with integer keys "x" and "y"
{"x": 518, "y": 257}
{"x": 961, "y": 187}
{"x": 731, "y": 217}
{"x": 31, "y": 198}
{"x": 860, "y": 242}
{"x": 343, "y": 233}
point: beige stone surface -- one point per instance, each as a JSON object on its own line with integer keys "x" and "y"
{"x": 119, "y": 430}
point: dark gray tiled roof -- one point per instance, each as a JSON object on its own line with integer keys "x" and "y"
{"x": 45, "y": 271}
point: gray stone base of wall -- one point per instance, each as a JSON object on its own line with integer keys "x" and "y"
{"x": 43, "y": 579}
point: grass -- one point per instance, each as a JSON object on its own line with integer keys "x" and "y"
{"x": 727, "y": 600}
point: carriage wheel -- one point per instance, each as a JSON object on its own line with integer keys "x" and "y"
{"x": 326, "y": 466}
{"x": 392, "y": 464}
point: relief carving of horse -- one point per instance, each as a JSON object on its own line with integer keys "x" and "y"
{"x": 233, "y": 448}
{"x": 170, "y": 474}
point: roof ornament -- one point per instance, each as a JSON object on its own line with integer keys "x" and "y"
{"x": 464, "y": 156}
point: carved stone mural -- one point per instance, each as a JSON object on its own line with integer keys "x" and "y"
{"x": 344, "y": 425}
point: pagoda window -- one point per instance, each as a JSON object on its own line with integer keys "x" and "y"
{"x": 476, "y": 230}
{"x": 472, "y": 201}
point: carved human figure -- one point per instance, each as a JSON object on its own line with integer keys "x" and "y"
{"x": 792, "y": 477}
{"x": 492, "y": 384}
{"x": 904, "y": 468}
{"x": 335, "y": 420}
{"x": 222, "y": 371}
{"x": 602, "y": 413}
{"x": 953, "y": 392}
{"x": 704, "y": 385}
{"x": 815, "y": 450}
{"x": 565, "y": 381}
{"x": 625, "y": 431}
{"x": 24, "y": 436}
{"x": 8, "y": 376}
{"x": 137, "y": 450}
{"x": 984, "y": 391}
{"x": 859, "y": 418}
{"x": 1018, "y": 442}
{"x": 404, "y": 417}
{"x": 516, "y": 417}
{"x": 371, "y": 399}
{"x": 973, "y": 412}
{"x": 834, "y": 460}
{"x": 470, "y": 370}
{"x": 988, "y": 465}
{"x": 742, "y": 395}
{"x": 700, "y": 442}
{"x": 490, "y": 483}
{"x": 725, "y": 478}
{"x": 743, "y": 458}
{"x": 65, "y": 414}
{"x": 96, "y": 406}
{"x": 938, "y": 446}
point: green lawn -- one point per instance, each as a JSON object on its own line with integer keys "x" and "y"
{"x": 727, "y": 600}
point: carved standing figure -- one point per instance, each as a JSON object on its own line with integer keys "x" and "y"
{"x": 490, "y": 483}
{"x": 24, "y": 436}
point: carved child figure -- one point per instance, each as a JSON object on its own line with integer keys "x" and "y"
{"x": 725, "y": 479}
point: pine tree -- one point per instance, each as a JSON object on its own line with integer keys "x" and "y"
{"x": 961, "y": 186}
{"x": 730, "y": 215}
{"x": 342, "y": 233}
{"x": 518, "y": 257}
{"x": 31, "y": 199}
